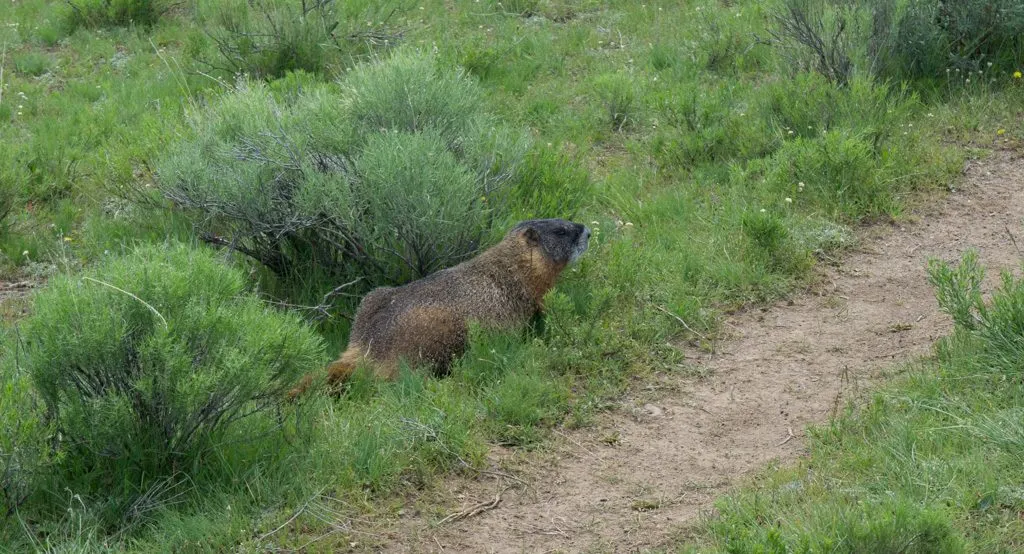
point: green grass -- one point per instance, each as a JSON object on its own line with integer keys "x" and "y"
{"x": 715, "y": 174}
{"x": 931, "y": 462}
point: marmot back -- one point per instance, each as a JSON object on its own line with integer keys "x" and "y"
{"x": 426, "y": 322}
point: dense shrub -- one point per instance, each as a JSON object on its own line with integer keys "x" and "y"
{"x": 927, "y": 38}
{"x": 147, "y": 360}
{"x": 397, "y": 175}
{"x": 115, "y": 13}
{"x": 912, "y": 39}
{"x": 268, "y": 38}
{"x": 23, "y": 447}
{"x": 996, "y": 325}
{"x": 813, "y": 38}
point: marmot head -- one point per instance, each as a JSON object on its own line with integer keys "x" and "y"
{"x": 561, "y": 241}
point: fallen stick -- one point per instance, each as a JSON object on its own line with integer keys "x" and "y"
{"x": 790, "y": 437}
{"x": 680, "y": 320}
{"x": 474, "y": 510}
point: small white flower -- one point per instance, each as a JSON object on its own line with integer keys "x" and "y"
{"x": 763, "y": 210}
{"x": 595, "y": 223}
{"x": 628, "y": 224}
{"x": 25, "y": 253}
{"x": 789, "y": 200}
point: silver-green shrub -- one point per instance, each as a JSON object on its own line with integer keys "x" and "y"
{"x": 147, "y": 361}
{"x": 389, "y": 175}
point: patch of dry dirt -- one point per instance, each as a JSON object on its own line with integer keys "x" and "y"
{"x": 12, "y": 296}
{"x": 654, "y": 466}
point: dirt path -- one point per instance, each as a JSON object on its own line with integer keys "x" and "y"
{"x": 649, "y": 469}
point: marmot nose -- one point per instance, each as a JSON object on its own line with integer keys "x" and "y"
{"x": 586, "y": 233}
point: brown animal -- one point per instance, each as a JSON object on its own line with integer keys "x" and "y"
{"x": 426, "y": 322}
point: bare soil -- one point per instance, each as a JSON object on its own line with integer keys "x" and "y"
{"x": 12, "y": 298}
{"x": 650, "y": 469}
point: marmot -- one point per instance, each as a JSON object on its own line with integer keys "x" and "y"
{"x": 426, "y": 321}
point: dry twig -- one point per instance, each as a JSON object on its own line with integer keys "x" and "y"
{"x": 476, "y": 509}
{"x": 789, "y": 438}
{"x": 144, "y": 303}
{"x": 1013, "y": 240}
{"x": 681, "y": 321}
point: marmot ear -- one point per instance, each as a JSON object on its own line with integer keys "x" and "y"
{"x": 532, "y": 236}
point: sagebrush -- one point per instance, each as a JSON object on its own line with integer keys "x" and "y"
{"x": 387, "y": 177}
{"x": 148, "y": 360}
{"x": 930, "y": 39}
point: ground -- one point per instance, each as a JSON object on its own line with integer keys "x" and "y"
{"x": 647, "y": 471}
{"x": 12, "y": 295}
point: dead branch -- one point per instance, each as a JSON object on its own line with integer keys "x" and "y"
{"x": 476, "y": 509}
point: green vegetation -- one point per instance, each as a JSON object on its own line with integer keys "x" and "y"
{"x": 712, "y": 148}
{"x": 942, "y": 41}
{"x": 142, "y": 385}
{"x": 398, "y": 176}
{"x": 931, "y": 463}
{"x": 270, "y": 38}
{"x": 114, "y": 13}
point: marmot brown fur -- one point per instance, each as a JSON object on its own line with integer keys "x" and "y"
{"x": 426, "y": 322}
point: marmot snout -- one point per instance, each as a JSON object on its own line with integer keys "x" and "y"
{"x": 426, "y": 322}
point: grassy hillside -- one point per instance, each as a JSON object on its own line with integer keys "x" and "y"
{"x": 717, "y": 157}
